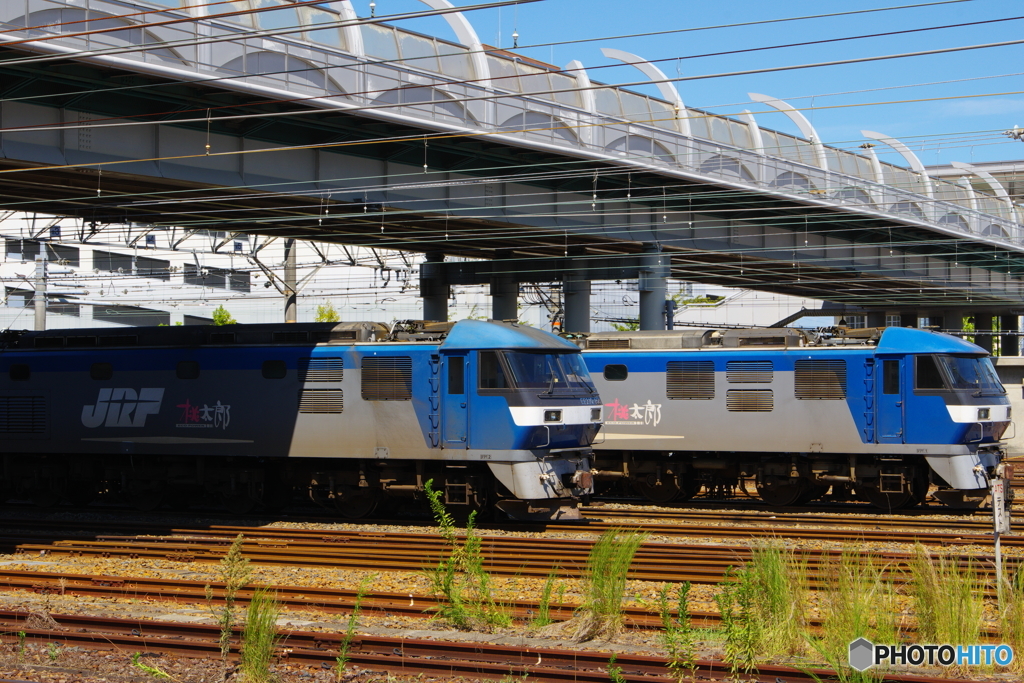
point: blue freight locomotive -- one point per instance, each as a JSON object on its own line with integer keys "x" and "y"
{"x": 344, "y": 414}
{"x": 880, "y": 414}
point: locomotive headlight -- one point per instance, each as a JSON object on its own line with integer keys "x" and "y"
{"x": 552, "y": 415}
{"x": 595, "y": 414}
{"x": 983, "y": 413}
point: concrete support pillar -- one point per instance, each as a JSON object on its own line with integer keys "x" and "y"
{"x": 291, "y": 297}
{"x": 434, "y": 287}
{"x": 876, "y": 319}
{"x": 908, "y": 318}
{"x": 504, "y": 297}
{"x": 1009, "y": 340}
{"x": 983, "y": 330}
{"x": 653, "y": 288}
{"x": 39, "y": 296}
{"x": 576, "y": 299}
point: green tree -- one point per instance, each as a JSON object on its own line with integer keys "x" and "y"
{"x": 327, "y": 313}
{"x": 221, "y": 316}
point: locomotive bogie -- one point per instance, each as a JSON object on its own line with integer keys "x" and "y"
{"x": 881, "y": 416}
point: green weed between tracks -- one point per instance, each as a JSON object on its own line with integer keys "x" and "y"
{"x": 460, "y": 578}
{"x": 605, "y": 585}
{"x": 259, "y": 636}
{"x": 234, "y": 573}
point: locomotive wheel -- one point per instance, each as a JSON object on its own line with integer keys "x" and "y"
{"x": 146, "y": 496}
{"x": 80, "y": 493}
{"x": 664, "y": 490}
{"x": 45, "y": 498}
{"x": 356, "y": 502}
{"x": 239, "y": 503}
{"x": 814, "y": 492}
{"x": 783, "y": 491}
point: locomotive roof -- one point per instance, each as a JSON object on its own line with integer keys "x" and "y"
{"x": 912, "y": 340}
{"x": 881, "y": 340}
{"x": 465, "y": 334}
{"x": 478, "y": 334}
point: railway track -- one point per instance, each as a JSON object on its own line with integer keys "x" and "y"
{"x": 399, "y": 551}
{"x": 23, "y": 533}
{"x": 316, "y": 599}
{"x": 401, "y": 656}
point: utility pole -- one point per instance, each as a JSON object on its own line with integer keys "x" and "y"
{"x": 39, "y": 298}
{"x": 290, "y": 283}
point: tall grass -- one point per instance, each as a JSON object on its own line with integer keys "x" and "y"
{"x": 543, "y": 617}
{"x": 341, "y": 662}
{"x": 259, "y": 637}
{"x": 857, "y": 600}
{"x": 762, "y": 607}
{"x": 234, "y": 573}
{"x": 460, "y": 577}
{"x": 948, "y": 599}
{"x": 677, "y": 636}
{"x": 1012, "y": 619}
{"x": 605, "y": 581}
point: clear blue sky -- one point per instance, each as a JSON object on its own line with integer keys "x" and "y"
{"x": 940, "y": 130}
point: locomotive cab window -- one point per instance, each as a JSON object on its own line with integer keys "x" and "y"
{"x": 974, "y": 373}
{"x": 491, "y": 373}
{"x": 549, "y": 373}
{"x": 187, "y": 369}
{"x": 890, "y": 377}
{"x": 101, "y": 371}
{"x": 20, "y": 372}
{"x": 456, "y": 375}
{"x": 926, "y": 373}
{"x": 616, "y": 373}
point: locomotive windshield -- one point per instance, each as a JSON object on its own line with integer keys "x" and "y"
{"x": 971, "y": 372}
{"x": 974, "y": 373}
{"x": 549, "y": 372}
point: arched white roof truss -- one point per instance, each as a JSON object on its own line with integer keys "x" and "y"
{"x": 907, "y": 155}
{"x": 466, "y": 34}
{"x": 996, "y": 186}
{"x": 658, "y": 77}
{"x": 801, "y": 122}
{"x": 353, "y": 36}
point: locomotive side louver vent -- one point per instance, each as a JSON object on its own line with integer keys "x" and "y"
{"x": 749, "y": 400}
{"x": 321, "y": 401}
{"x": 22, "y": 415}
{"x": 387, "y": 378}
{"x": 749, "y": 371}
{"x": 690, "y": 379}
{"x": 81, "y": 341}
{"x": 291, "y": 337}
{"x": 320, "y": 369}
{"x": 120, "y": 340}
{"x": 49, "y": 342}
{"x": 820, "y": 379}
{"x": 608, "y": 343}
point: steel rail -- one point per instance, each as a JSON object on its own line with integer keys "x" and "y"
{"x": 502, "y": 555}
{"x": 318, "y": 599}
{"x": 397, "y": 655}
